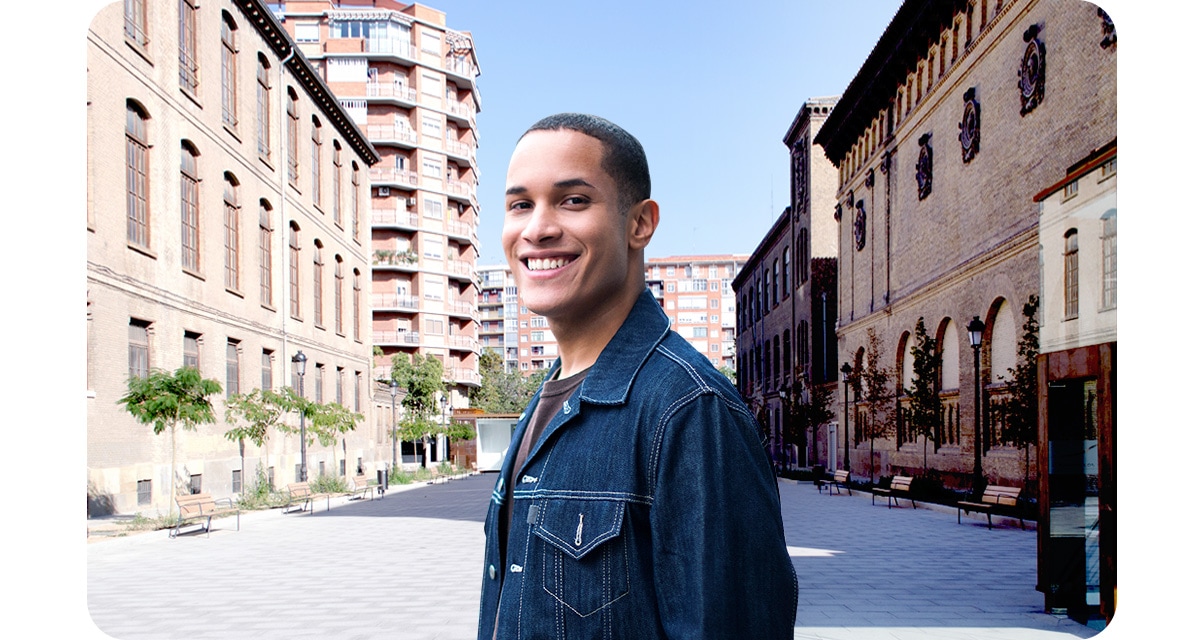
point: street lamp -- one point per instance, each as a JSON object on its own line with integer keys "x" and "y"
{"x": 443, "y": 401}
{"x": 299, "y": 371}
{"x": 975, "y": 328}
{"x": 785, "y": 403}
{"x": 845, "y": 373}
{"x": 393, "y": 399}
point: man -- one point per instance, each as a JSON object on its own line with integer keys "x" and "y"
{"x": 635, "y": 500}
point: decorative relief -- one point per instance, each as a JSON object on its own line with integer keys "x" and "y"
{"x": 1107, "y": 28}
{"x": 1032, "y": 71}
{"x": 924, "y": 167}
{"x": 869, "y": 178}
{"x": 969, "y": 126}
{"x": 859, "y": 226}
{"x": 884, "y": 167}
{"x": 837, "y": 213}
{"x": 799, "y": 159}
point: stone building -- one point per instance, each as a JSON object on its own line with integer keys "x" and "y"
{"x": 961, "y": 113}
{"x": 219, "y": 238}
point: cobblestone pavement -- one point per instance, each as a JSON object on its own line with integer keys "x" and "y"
{"x": 408, "y": 566}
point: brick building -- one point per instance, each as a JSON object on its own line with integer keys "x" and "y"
{"x": 696, "y": 293}
{"x": 218, "y": 238}
{"x": 960, "y": 114}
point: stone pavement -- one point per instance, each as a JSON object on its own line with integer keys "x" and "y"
{"x": 408, "y": 566}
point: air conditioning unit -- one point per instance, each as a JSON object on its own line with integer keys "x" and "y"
{"x": 412, "y": 201}
{"x": 382, "y": 192}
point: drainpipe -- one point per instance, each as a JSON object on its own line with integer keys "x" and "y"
{"x": 284, "y": 228}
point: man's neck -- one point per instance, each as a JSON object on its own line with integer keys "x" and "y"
{"x": 581, "y": 340}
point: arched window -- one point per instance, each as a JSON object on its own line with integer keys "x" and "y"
{"x": 318, "y": 283}
{"x": 188, "y": 58}
{"x": 294, "y": 125}
{"x": 355, "y": 201}
{"x": 294, "y": 270}
{"x": 355, "y": 304}
{"x": 265, "y": 253}
{"x": 338, "y": 294}
{"x": 335, "y": 187}
{"x": 1070, "y": 261}
{"x": 775, "y": 297}
{"x": 230, "y": 201}
{"x": 1108, "y": 254}
{"x": 137, "y": 178}
{"x": 315, "y": 149}
{"x": 229, "y": 72}
{"x": 190, "y": 214}
{"x": 263, "y": 108}
{"x": 786, "y": 272}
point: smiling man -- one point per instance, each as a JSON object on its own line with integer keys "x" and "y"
{"x": 636, "y": 499}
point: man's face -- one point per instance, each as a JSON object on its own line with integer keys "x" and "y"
{"x": 564, "y": 235}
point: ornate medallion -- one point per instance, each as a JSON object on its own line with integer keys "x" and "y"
{"x": 969, "y": 126}
{"x": 859, "y": 226}
{"x": 1032, "y": 72}
{"x": 924, "y": 167}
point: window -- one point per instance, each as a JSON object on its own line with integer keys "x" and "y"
{"x": 236, "y": 481}
{"x": 355, "y": 201}
{"x": 355, "y": 304}
{"x": 537, "y": 336}
{"x": 188, "y": 60}
{"x": 338, "y": 385}
{"x": 190, "y": 248}
{"x": 265, "y": 369}
{"x": 231, "y": 367}
{"x": 192, "y": 350}
{"x": 265, "y": 253}
{"x": 135, "y": 24}
{"x": 230, "y": 198}
{"x": 431, "y": 127}
{"x": 786, "y": 272}
{"x": 317, "y": 283}
{"x": 700, "y": 332}
{"x": 1071, "y": 263}
{"x": 804, "y": 250}
{"x": 432, "y": 168}
{"x": 434, "y": 327}
{"x": 1070, "y": 190}
{"x": 432, "y": 209}
{"x": 319, "y": 375}
{"x": 139, "y": 337}
{"x": 356, "y": 400}
{"x": 294, "y": 270}
{"x": 229, "y": 72}
{"x": 316, "y": 154}
{"x": 263, "y": 109}
{"x": 144, "y": 486}
{"x": 1108, "y": 169}
{"x": 335, "y": 188}
{"x": 294, "y": 127}
{"x": 433, "y": 248}
{"x": 137, "y": 180}
{"x": 1109, "y": 260}
{"x": 338, "y": 295}
{"x": 431, "y": 42}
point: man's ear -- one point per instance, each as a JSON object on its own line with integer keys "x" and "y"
{"x": 641, "y": 223}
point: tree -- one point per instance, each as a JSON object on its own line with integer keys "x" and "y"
{"x": 259, "y": 410}
{"x": 924, "y": 412}
{"x": 329, "y": 421}
{"x": 879, "y": 394}
{"x": 422, "y": 378}
{"x": 501, "y": 391}
{"x": 171, "y": 401}
{"x": 1020, "y": 404}
{"x": 816, "y": 411}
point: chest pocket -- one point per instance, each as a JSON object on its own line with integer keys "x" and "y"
{"x": 585, "y": 556}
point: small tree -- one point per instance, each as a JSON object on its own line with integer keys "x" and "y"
{"x": 422, "y": 378}
{"x": 1020, "y": 404}
{"x": 924, "y": 413}
{"x": 879, "y": 394}
{"x": 330, "y": 421}
{"x": 171, "y": 401}
{"x": 816, "y": 412}
{"x": 501, "y": 391}
{"x": 259, "y": 410}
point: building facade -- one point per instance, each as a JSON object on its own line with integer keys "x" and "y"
{"x": 1076, "y": 389}
{"x": 962, "y": 111}
{"x": 409, "y": 81}
{"x": 498, "y": 303}
{"x": 696, "y": 293}
{"x": 209, "y": 246}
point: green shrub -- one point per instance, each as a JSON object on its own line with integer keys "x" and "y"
{"x": 328, "y": 484}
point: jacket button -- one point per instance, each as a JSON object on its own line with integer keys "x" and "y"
{"x": 492, "y": 572}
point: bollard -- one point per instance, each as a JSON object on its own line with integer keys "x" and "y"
{"x": 382, "y": 481}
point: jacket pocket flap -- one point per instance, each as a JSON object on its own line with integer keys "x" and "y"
{"x": 577, "y": 527}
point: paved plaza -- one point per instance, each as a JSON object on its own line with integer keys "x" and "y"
{"x": 407, "y": 566}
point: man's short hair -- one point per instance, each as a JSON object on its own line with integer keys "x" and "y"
{"x": 623, "y": 157}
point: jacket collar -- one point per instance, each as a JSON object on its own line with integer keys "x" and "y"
{"x": 611, "y": 376}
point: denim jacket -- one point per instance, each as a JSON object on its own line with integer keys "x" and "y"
{"x": 647, "y": 509}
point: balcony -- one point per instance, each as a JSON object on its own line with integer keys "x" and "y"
{"x": 396, "y": 338}
{"x": 462, "y": 112}
{"x": 460, "y": 189}
{"x": 404, "y": 260}
{"x": 391, "y": 302}
{"x": 461, "y": 269}
{"x": 463, "y": 343}
{"x": 396, "y": 91}
{"x": 463, "y": 375}
{"x": 390, "y": 134}
{"x": 461, "y": 231}
{"x": 462, "y": 309}
{"x": 461, "y": 67}
{"x": 389, "y": 176}
{"x": 395, "y": 218}
{"x": 459, "y": 150}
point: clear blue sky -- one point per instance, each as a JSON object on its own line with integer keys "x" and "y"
{"x": 708, "y": 87}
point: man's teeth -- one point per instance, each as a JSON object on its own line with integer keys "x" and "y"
{"x": 543, "y": 264}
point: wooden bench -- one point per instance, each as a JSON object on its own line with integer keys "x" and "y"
{"x": 301, "y": 497}
{"x": 994, "y": 499}
{"x": 840, "y": 479}
{"x": 202, "y": 506}
{"x": 900, "y": 487}
{"x": 360, "y": 489}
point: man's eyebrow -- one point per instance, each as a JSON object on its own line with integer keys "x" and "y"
{"x": 516, "y": 190}
{"x": 573, "y": 182}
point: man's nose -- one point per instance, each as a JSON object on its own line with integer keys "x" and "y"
{"x": 542, "y": 225}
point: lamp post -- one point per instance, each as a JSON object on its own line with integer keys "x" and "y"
{"x": 393, "y": 399}
{"x": 975, "y": 328}
{"x": 845, "y": 373}
{"x": 299, "y": 370}
{"x": 784, "y": 400}
{"x": 443, "y": 401}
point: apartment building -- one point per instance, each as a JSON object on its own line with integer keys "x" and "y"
{"x": 696, "y": 293}
{"x": 498, "y": 309}
{"x": 409, "y": 81}
{"x": 219, "y": 238}
{"x": 960, "y": 115}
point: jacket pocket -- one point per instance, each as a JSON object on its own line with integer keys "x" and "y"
{"x": 585, "y": 555}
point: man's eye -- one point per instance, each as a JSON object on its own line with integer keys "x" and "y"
{"x": 576, "y": 200}
{"x": 519, "y": 205}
